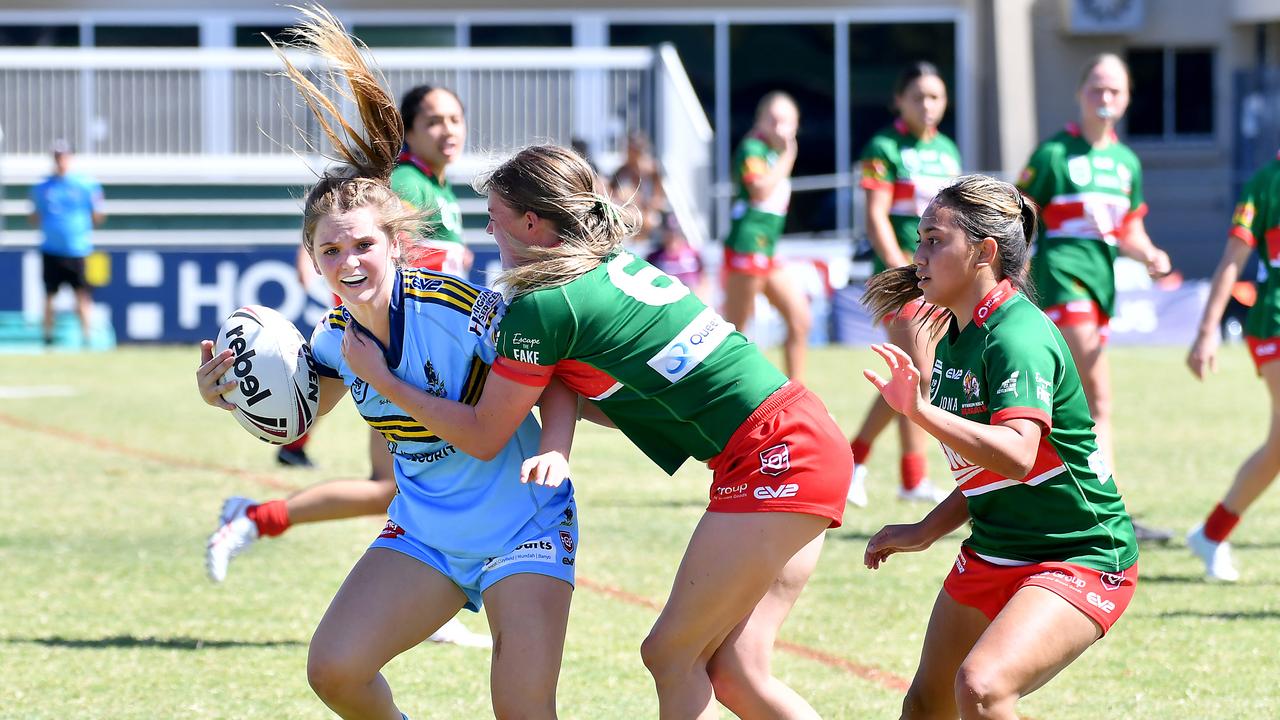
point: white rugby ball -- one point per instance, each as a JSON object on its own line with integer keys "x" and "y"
{"x": 277, "y": 392}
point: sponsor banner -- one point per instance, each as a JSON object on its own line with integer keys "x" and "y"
{"x": 183, "y": 294}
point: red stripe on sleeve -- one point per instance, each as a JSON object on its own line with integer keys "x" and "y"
{"x": 1244, "y": 235}
{"x": 1023, "y": 413}
{"x": 523, "y": 373}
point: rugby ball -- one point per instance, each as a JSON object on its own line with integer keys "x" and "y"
{"x": 277, "y": 392}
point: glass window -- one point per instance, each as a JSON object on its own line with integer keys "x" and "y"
{"x": 39, "y": 35}
{"x": 407, "y": 36}
{"x": 1172, "y": 93}
{"x": 1193, "y": 94}
{"x": 251, "y": 35}
{"x": 146, "y": 36}
{"x": 694, "y": 43}
{"x": 521, "y": 36}
{"x": 797, "y": 60}
{"x": 878, "y": 52}
{"x": 1146, "y": 107}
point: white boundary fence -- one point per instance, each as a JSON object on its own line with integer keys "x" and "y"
{"x": 148, "y": 115}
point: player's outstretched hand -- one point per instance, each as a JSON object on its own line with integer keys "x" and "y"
{"x": 550, "y": 469}
{"x": 210, "y": 372}
{"x": 1203, "y": 356}
{"x": 895, "y": 539}
{"x": 902, "y": 389}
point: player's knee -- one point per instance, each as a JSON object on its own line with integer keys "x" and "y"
{"x": 980, "y": 692}
{"x": 663, "y": 656}
{"x": 330, "y": 674}
{"x": 731, "y": 680}
{"x": 920, "y": 704}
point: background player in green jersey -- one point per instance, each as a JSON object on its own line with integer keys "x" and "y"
{"x": 435, "y": 130}
{"x": 1089, "y": 185}
{"x": 1051, "y": 562}
{"x": 1255, "y": 227}
{"x": 679, "y": 382}
{"x": 762, "y": 192}
{"x": 903, "y": 167}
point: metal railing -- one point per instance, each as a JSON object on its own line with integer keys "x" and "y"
{"x": 152, "y": 114}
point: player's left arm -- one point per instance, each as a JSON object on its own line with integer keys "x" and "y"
{"x": 1132, "y": 237}
{"x": 1134, "y": 242}
{"x": 1008, "y": 446}
{"x": 96, "y": 201}
{"x": 558, "y": 408}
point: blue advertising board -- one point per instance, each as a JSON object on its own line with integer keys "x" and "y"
{"x": 182, "y": 294}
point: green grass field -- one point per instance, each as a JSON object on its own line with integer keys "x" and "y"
{"x": 108, "y": 496}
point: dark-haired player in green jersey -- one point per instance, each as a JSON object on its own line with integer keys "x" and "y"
{"x": 1051, "y": 560}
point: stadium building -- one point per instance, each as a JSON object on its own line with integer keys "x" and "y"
{"x": 1205, "y": 113}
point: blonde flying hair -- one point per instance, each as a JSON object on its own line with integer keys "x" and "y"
{"x": 557, "y": 185}
{"x": 362, "y": 179}
{"x": 983, "y": 207}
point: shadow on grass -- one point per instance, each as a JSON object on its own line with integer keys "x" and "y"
{"x": 1210, "y": 615}
{"x": 133, "y": 641}
{"x": 1196, "y": 579}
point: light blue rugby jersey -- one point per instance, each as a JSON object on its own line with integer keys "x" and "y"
{"x": 442, "y": 340}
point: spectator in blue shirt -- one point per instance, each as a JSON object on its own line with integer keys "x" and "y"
{"x": 66, "y": 207}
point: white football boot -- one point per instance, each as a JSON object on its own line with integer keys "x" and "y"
{"x": 1216, "y": 556}
{"x": 925, "y": 492}
{"x": 858, "y": 486}
{"x": 235, "y": 533}
{"x": 455, "y": 633}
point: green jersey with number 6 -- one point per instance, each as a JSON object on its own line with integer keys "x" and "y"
{"x": 1087, "y": 196}
{"x": 1257, "y": 222}
{"x": 673, "y": 375}
{"x": 1011, "y": 362}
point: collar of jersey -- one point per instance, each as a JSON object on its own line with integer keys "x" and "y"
{"x": 395, "y": 351}
{"x": 408, "y": 158}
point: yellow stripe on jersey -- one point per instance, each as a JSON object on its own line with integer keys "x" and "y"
{"x": 476, "y": 375}
{"x": 447, "y": 298}
{"x": 398, "y": 428}
{"x": 419, "y": 281}
{"x": 336, "y": 319}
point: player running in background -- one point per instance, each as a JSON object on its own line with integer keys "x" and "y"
{"x": 679, "y": 382}
{"x": 1089, "y": 185}
{"x": 435, "y": 130}
{"x": 762, "y": 191}
{"x": 1051, "y": 562}
{"x": 462, "y": 529}
{"x": 903, "y": 167}
{"x": 1255, "y": 227}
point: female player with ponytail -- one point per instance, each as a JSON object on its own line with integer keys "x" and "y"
{"x": 1051, "y": 562}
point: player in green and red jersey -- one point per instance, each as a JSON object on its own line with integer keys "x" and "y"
{"x": 644, "y": 354}
{"x": 1051, "y": 562}
{"x": 762, "y": 191}
{"x": 1255, "y": 227}
{"x": 1090, "y": 188}
{"x": 903, "y": 167}
{"x": 435, "y": 130}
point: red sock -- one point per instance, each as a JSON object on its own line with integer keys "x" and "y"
{"x": 272, "y": 517}
{"x": 298, "y": 444}
{"x": 861, "y": 449}
{"x": 1220, "y": 523}
{"x": 913, "y": 466}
